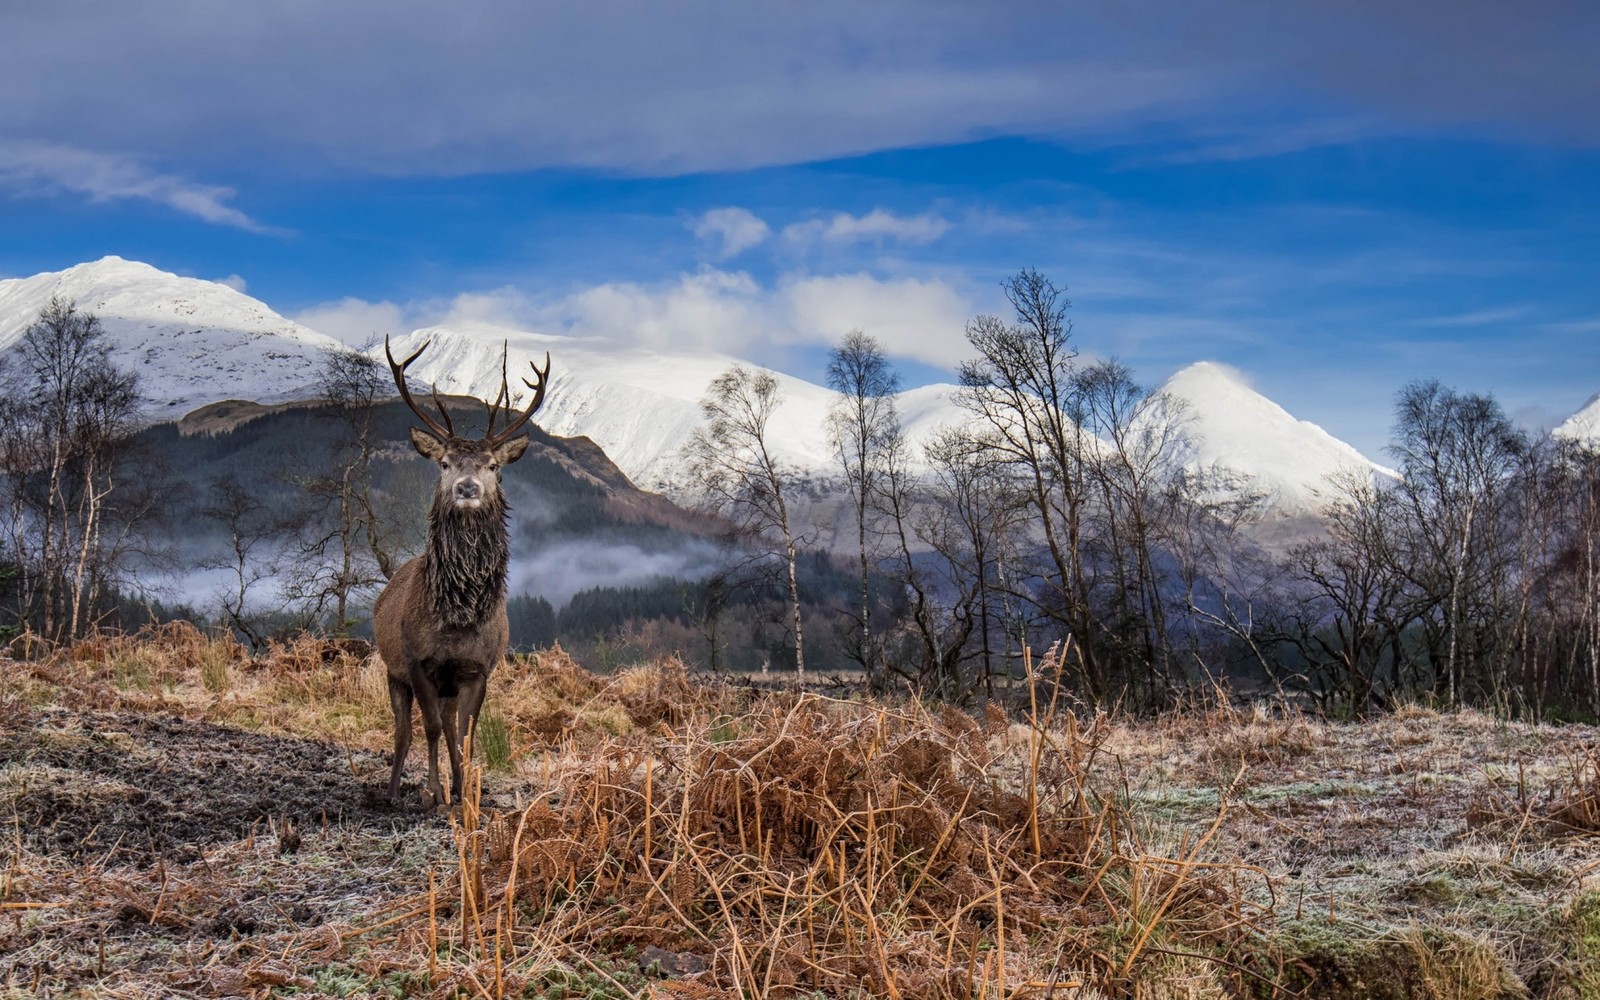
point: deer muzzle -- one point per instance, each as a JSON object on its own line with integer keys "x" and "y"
{"x": 468, "y": 493}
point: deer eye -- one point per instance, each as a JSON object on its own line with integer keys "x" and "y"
{"x": 444, "y": 465}
{"x": 494, "y": 467}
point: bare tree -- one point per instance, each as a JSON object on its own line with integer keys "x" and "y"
{"x": 345, "y": 550}
{"x": 1580, "y": 465}
{"x": 1559, "y": 591}
{"x": 732, "y": 463}
{"x": 1138, "y": 495}
{"x": 1458, "y": 453}
{"x": 252, "y": 533}
{"x": 68, "y": 414}
{"x": 1021, "y": 386}
{"x": 1350, "y": 620}
{"x": 973, "y": 507}
{"x": 862, "y": 426}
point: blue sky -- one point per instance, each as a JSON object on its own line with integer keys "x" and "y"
{"x": 1332, "y": 197}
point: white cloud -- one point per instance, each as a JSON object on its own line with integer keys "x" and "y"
{"x": 356, "y": 321}
{"x": 738, "y": 229}
{"x": 877, "y": 224}
{"x": 733, "y": 313}
{"x": 923, "y": 320}
{"x": 1255, "y": 143}
{"x": 713, "y": 309}
{"x": 504, "y": 306}
{"x": 710, "y": 309}
{"x": 30, "y": 166}
{"x": 234, "y": 281}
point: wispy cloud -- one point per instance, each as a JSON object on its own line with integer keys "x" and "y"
{"x": 48, "y": 166}
{"x": 1577, "y": 326}
{"x": 1259, "y": 142}
{"x": 734, "y": 229}
{"x": 876, "y": 225}
{"x": 1478, "y": 317}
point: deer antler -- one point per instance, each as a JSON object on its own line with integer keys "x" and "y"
{"x": 493, "y": 439}
{"x": 448, "y": 429}
{"x": 504, "y": 396}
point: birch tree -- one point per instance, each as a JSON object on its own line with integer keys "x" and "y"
{"x": 732, "y": 464}
{"x": 862, "y": 426}
{"x": 68, "y": 413}
{"x": 1458, "y": 452}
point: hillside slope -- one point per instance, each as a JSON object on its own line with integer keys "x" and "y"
{"x": 192, "y": 342}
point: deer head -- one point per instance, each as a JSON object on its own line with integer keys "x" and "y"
{"x": 469, "y": 468}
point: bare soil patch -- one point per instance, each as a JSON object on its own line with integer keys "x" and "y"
{"x": 136, "y": 789}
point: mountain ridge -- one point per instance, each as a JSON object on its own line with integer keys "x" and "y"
{"x": 191, "y": 341}
{"x": 198, "y": 343}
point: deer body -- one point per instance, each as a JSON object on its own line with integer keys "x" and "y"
{"x": 440, "y": 622}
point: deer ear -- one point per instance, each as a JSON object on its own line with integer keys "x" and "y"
{"x": 511, "y": 451}
{"x": 426, "y": 444}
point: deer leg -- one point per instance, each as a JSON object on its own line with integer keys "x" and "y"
{"x": 400, "y": 702}
{"x": 470, "y": 700}
{"x": 471, "y": 703}
{"x": 432, "y": 726}
{"x": 448, "y": 712}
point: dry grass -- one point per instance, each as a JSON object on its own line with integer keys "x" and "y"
{"x": 811, "y": 846}
{"x": 649, "y": 833}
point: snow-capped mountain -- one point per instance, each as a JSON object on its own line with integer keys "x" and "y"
{"x": 640, "y": 405}
{"x": 192, "y": 342}
{"x": 1584, "y": 425}
{"x": 1223, "y": 422}
{"x": 196, "y": 342}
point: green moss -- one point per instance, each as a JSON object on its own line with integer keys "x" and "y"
{"x": 604, "y": 982}
{"x": 1434, "y": 888}
{"x": 1341, "y": 960}
{"x": 1348, "y": 961}
{"x": 341, "y": 981}
{"x": 1575, "y": 931}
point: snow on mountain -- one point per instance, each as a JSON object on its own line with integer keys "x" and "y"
{"x": 196, "y": 342}
{"x": 1583, "y": 425}
{"x": 192, "y": 342}
{"x": 640, "y": 405}
{"x": 1227, "y": 424}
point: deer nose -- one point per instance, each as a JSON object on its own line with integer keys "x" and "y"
{"x": 468, "y": 489}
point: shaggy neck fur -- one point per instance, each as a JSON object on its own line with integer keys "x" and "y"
{"x": 464, "y": 570}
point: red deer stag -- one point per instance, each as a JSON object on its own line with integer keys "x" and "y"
{"x": 441, "y": 621}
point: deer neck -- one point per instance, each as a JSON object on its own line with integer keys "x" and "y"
{"x": 464, "y": 568}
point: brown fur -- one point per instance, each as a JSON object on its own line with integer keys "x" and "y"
{"x": 440, "y": 623}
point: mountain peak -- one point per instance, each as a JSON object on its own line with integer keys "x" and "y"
{"x": 1584, "y": 425}
{"x": 191, "y": 341}
{"x": 1228, "y": 424}
{"x": 1211, "y": 371}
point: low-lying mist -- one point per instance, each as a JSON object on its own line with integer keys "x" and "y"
{"x": 563, "y": 569}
